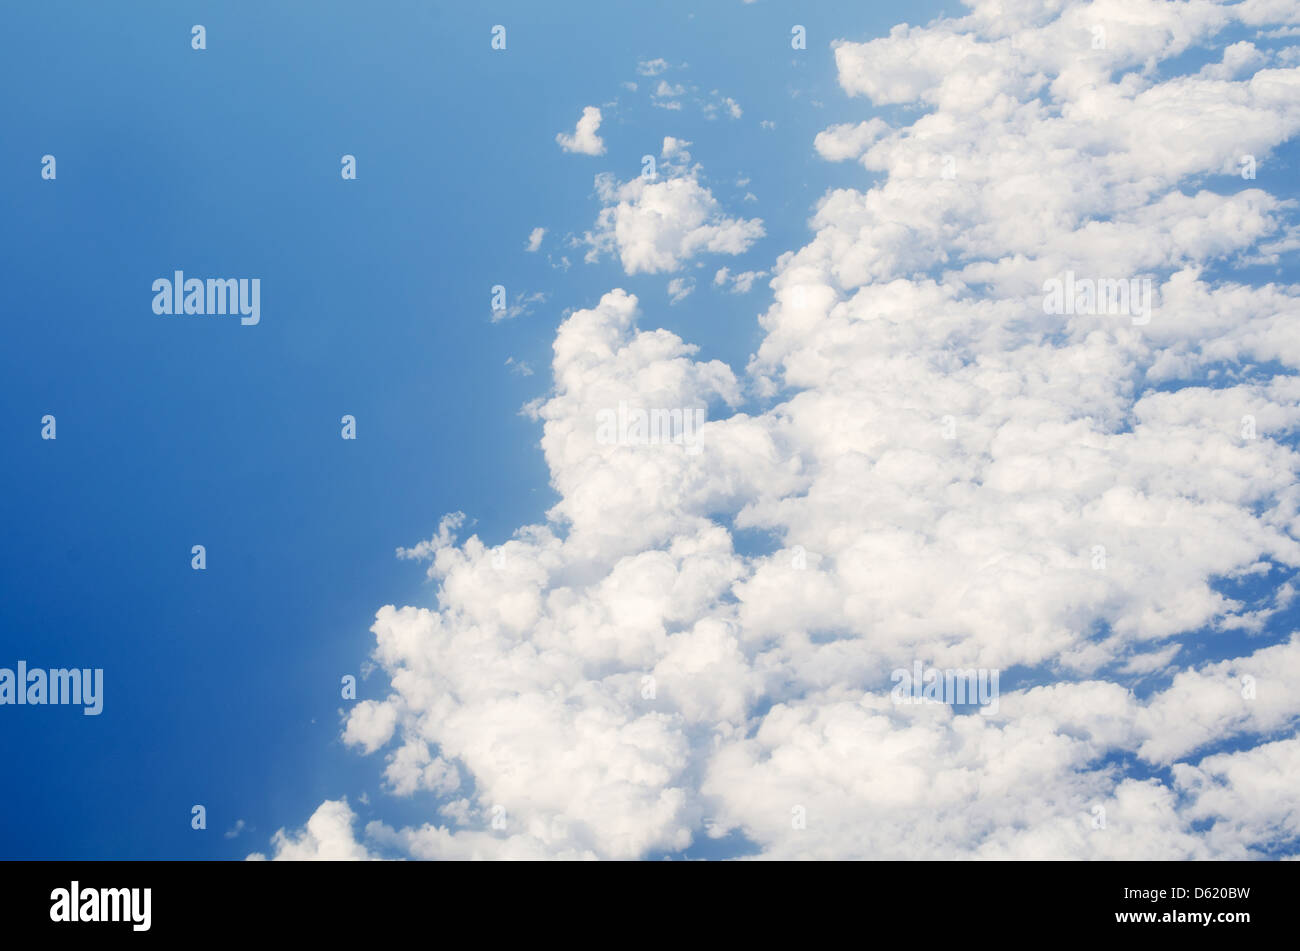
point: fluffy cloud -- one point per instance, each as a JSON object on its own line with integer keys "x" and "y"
{"x": 328, "y": 837}
{"x": 947, "y": 474}
{"x": 584, "y": 140}
{"x": 848, "y": 140}
{"x": 657, "y": 223}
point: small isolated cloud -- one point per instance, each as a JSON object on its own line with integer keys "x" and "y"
{"x": 521, "y": 306}
{"x": 766, "y": 124}
{"x": 720, "y": 104}
{"x": 656, "y": 224}
{"x": 741, "y": 283}
{"x": 519, "y": 366}
{"x": 679, "y": 288}
{"x": 665, "y": 95}
{"x": 584, "y": 140}
{"x": 675, "y": 96}
{"x": 234, "y": 830}
{"x": 535, "y": 239}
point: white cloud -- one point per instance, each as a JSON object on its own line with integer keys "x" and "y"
{"x": 741, "y": 283}
{"x": 584, "y": 140}
{"x": 847, "y": 141}
{"x": 657, "y": 225}
{"x": 1237, "y": 58}
{"x": 370, "y": 725}
{"x": 535, "y": 239}
{"x": 719, "y": 104}
{"x": 665, "y": 95}
{"x": 520, "y": 306}
{"x": 937, "y": 462}
{"x": 328, "y": 837}
{"x": 1243, "y": 797}
{"x": 679, "y": 288}
{"x": 676, "y": 148}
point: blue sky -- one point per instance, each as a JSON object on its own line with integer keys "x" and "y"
{"x": 222, "y": 685}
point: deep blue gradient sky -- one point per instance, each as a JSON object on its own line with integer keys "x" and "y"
{"x": 222, "y": 686}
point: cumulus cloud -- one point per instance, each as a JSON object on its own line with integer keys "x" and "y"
{"x": 327, "y": 837}
{"x": 584, "y": 139}
{"x": 535, "y": 239}
{"x": 656, "y": 224}
{"x": 945, "y": 474}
